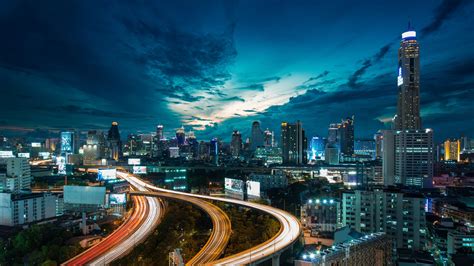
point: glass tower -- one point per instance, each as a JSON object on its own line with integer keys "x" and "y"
{"x": 408, "y": 82}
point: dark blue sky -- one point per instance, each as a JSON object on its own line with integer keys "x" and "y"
{"x": 213, "y": 66}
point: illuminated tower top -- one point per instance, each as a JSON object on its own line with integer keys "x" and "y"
{"x": 408, "y": 82}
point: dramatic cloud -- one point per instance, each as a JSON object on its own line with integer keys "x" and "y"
{"x": 443, "y": 12}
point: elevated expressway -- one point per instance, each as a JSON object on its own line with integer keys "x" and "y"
{"x": 290, "y": 229}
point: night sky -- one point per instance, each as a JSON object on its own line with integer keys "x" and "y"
{"x": 215, "y": 66}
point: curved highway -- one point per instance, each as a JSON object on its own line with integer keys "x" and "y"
{"x": 221, "y": 228}
{"x": 290, "y": 229}
{"x": 145, "y": 217}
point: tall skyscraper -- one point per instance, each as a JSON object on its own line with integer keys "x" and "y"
{"x": 236, "y": 143}
{"x": 159, "y": 132}
{"x": 268, "y": 138}
{"x": 414, "y": 157}
{"x": 114, "y": 142}
{"x": 452, "y": 150}
{"x": 256, "y": 139}
{"x": 293, "y": 143}
{"x": 408, "y": 82}
{"x": 346, "y": 136}
{"x": 408, "y": 155}
{"x": 180, "y": 136}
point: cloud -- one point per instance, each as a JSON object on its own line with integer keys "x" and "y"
{"x": 233, "y": 99}
{"x": 92, "y": 112}
{"x": 442, "y": 13}
{"x": 324, "y": 74}
{"x": 354, "y": 78}
{"x": 252, "y": 87}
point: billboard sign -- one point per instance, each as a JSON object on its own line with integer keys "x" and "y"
{"x": 44, "y": 155}
{"x": 107, "y": 174}
{"x": 24, "y": 155}
{"x": 66, "y": 142}
{"x": 84, "y": 195}
{"x": 117, "y": 198}
{"x": 133, "y": 161}
{"x": 6, "y": 154}
{"x": 36, "y": 144}
{"x": 253, "y": 189}
{"x": 234, "y": 185}
{"x": 61, "y": 163}
{"x": 139, "y": 169}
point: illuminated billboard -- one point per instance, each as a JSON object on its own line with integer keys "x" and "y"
{"x": 253, "y": 189}
{"x": 400, "y": 77}
{"x": 107, "y": 174}
{"x": 44, "y": 155}
{"x": 84, "y": 195}
{"x": 117, "y": 198}
{"x": 24, "y": 155}
{"x": 234, "y": 185}
{"x": 133, "y": 161}
{"x": 138, "y": 169}
{"x": 61, "y": 163}
{"x": 35, "y": 144}
{"x": 66, "y": 142}
{"x": 6, "y": 154}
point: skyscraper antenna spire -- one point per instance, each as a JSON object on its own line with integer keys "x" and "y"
{"x": 409, "y": 25}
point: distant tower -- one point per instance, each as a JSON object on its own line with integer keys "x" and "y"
{"x": 115, "y": 144}
{"x": 180, "y": 136}
{"x": 268, "y": 138}
{"x": 159, "y": 132}
{"x": 293, "y": 143}
{"x": 257, "y": 136}
{"x": 408, "y": 82}
{"x": 346, "y": 136}
{"x": 236, "y": 143}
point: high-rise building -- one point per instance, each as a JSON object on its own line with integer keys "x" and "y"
{"x": 414, "y": 157}
{"x": 378, "y": 138}
{"x": 159, "y": 132}
{"x": 67, "y": 142}
{"x": 365, "y": 147}
{"x": 346, "y": 136}
{"x": 256, "y": 139}
{"x": 214, "y": 151}
{"x": 236, "y": 143}
{"x": 114, "y": 142}
{"x": 452, "y": 150}
{"x": 410, "y": 159}
{"x": 293, "y": 143}
{"x": 408, "y": 82}
{"x": 399, "y": 214}
{"x": 180, "y": 136}
{"x": 18, "y": 174}
{"x": 94, "y": 149}
{"x": 331, "y": 154}
{"x": 268, "y": 140}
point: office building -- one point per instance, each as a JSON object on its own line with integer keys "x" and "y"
{"x": 256, "y": 139}
{"x": 114, "y": 142}
{"x": 346, "y": 136}
{"x": 331, "y": 154}
{"x": 19, "y": 208}
{"x": 18, "y": 175}
{"x": 275, "y": 180}
{"x": 293, "y": 143}
{"x": 400, "y": 214}
{"x": 236, "y": 144}
{"x": 408, "y": 82}
{"x": 452, "y": 150}
{"x": 269, "y": 155}
{"x": 321, "y": 214}
{"x": 159, "y": 132}
{"x": 414, "y": 157}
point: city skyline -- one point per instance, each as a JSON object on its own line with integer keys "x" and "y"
{"x": 216, "y": 77}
